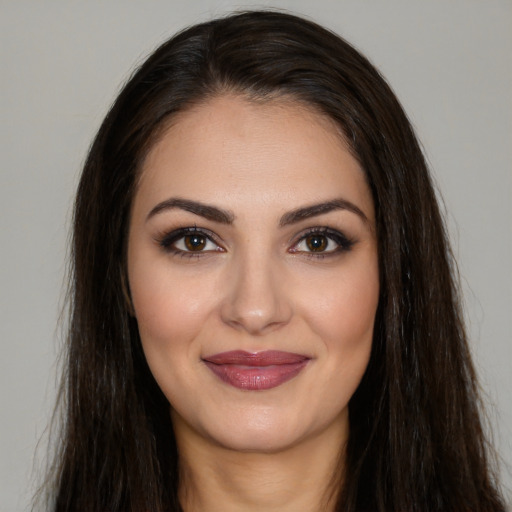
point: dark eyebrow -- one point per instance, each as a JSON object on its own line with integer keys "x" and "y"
{"x": 203, "y": 210}
{"x": 318, "y": 209}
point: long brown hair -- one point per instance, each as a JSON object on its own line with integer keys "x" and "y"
{"x": 416, "y": 439}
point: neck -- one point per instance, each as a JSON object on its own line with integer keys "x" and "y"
{"x": 303, "y": 477}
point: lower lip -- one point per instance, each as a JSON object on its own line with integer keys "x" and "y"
{"x": 256, "y": 378}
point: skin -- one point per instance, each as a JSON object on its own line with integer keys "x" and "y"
{"x": 256, "y": 285}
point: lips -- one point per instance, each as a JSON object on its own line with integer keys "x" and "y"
{"x": 256, "y": 371}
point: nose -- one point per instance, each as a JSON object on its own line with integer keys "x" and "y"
{"x": 256, "y": 301}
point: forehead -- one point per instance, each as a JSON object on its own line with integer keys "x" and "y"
{"x": 230, "y": 149}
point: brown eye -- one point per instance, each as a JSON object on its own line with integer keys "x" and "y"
{"x": 189, "y": 241}
{"x": 195, "y": 242}
{"x": 322, "y": 242}
{"x": 316, "y": 242}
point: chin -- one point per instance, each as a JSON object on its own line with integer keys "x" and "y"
{"x": 253, "y": 440}
{"x": 264, "y": 431}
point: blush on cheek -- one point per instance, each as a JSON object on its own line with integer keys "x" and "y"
{"x": 348, "y": 314}
{"x": 163, "y": 309}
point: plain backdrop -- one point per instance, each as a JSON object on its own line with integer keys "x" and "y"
{"x": 62, "y": 64}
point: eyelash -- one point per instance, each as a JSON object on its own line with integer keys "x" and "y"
{"x": 344, "y": 244}
{"x": 168, "y": 241}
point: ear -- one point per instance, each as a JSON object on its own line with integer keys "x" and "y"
{"x": 125, "y": 289}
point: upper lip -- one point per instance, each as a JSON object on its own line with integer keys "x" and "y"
{"x": 265, "y": 358}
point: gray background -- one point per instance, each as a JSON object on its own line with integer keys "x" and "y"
{"x": 61, "y": 66}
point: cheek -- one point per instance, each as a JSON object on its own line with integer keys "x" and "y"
{"x": 169, "y": 311}
{"x": 342, "y": 314}
{"x": 344, "y": 304}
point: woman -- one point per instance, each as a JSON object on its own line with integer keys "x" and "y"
{"x": 264, "y": 314}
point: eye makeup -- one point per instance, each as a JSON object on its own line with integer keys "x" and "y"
{"x": 189, "y": 242}
{"x": 315, "y": 242}
{"x": 322, "y": 242}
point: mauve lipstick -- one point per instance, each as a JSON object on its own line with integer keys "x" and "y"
{"x": 256, "y": 371}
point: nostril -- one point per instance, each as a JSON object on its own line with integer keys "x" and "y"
{"x": 255, "y": 299}
{"x": 256, "y": 320}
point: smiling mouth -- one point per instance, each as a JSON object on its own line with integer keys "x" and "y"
{"x": 256, "y": 371}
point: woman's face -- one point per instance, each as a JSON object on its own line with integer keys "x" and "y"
{"x": 253, "y": 269}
